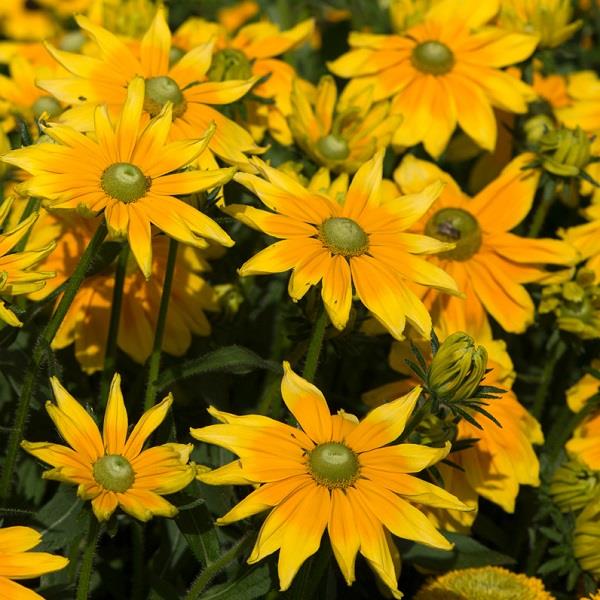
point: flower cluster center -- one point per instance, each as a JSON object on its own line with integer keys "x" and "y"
{"x": 457, "y": 226}
{"x": 159, "y": 91}
{"x": 333, "y": 465}
{"x": 114, "y": 472}
{"x": 228, "y": 64}
{"x": 333, "y": 147}
{"x": 125, "y": 182}
{"x": 432, "y": 57}
{"x": 344, "y": 236}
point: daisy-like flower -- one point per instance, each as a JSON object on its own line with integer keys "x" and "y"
{"x": 253, "y": 51}
{"x": 87, "y": 320}
{"x": 17, "y": 563}
{"x": 18, "y": 271}
{"x": 112, "y": 469}
{"x": 354, "y": 240}
{"x": 104, "y": 80}
{"x": 484, "y": 583}
{"x": 442, "y": 71}
{"x": 340, "y": 140}
{"x": 489, "y": 264}
{"x": 335, "y": 473}
{"x": 127, "y": 171}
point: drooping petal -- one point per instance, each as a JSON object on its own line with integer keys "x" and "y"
{"x": 343, "y": 533}
{"x": 337, "y": 291}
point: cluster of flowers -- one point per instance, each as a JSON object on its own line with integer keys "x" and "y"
{"x": 129, "y": 147}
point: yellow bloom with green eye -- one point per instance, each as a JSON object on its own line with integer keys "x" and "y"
{"x": 16, "y": 562}
{"x": 129, "y": 172}
{"x": 18, "y": 273}
{"x": 550, "y": 20}
{"x": 350, "y": 239}
{"x": 442, "y": 72}
{"x": 340, "y": 140}
{"x": 484, "y": 583}
{"x": 333, "y": 473}
{"x": 586, "y": 538}
{"x": 112, "y": 469}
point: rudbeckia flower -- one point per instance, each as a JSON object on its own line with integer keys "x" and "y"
{"x": 112, "y": 469}
{"x": 484, "y": 583}
{"x": 18, "y": 270}
{"x": 340, "y": 140}
{"x": 442, "y": 71}
{"x": 87, "y": 320}
{"x": 252, "y": 52}
{"x": 350, "y": 238}
{"x": 17, "y": 563}
{"x": 489, "y": 264}
{"x": 104, "y": 80}
{"x": 335, "y": 473}
{"x": 127, "y": 172}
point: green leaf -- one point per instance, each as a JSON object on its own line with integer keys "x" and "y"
{"x": 251, "y": 583}
{"x": 466, "y": 553}
{"x": 229, "y": 359}
{"x": 196, "y": 524}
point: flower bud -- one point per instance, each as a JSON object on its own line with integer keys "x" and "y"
{"x": 574, "y": 486}
{"x": 536, "y": 127}
{"x": 457, "y": 368}
{"x": 229, "y": 64}
{"x": 564, "y": 152}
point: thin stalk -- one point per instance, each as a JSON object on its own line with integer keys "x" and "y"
{"x": 44, "y": 341}
{"x": 214, "y": 568}
{"x": 110, "y": 356}
{"x": 315, "y": 344}
{"x": 539, "y": 217}
{"x": 154, "y": 360}
{"x": 32, "y": 205}
{"x": 87, "y": 563}
{"x": 541, "y": 394}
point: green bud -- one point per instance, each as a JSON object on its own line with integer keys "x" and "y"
{"x": 564, "y": 152}
{"x": 573, "y": 486}
{"x": 228, "y": 64}
{"x": 457, "y": 368}
{"x": 536, "y": 127}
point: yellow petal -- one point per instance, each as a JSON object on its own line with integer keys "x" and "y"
{"x": 148, "y": 422}
{"x": 115, "y": 419}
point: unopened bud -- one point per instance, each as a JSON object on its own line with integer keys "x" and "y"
{"x": 228, "y": 64}
{"x": 574, "y": 486}
{"x": 536, "y": 127}
{"x": 564, "y": 152}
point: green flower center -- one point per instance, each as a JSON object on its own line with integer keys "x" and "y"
{"x": 333, "y": 147}
{"x": 125, "y": 182}
{"x": 229, "y": 64}
{"x": 334, "y": 465}
{"x": 458, "y": 226}
{"x": 159, "y": 91}
{"x": 46, "y": 104}
{"x": 344, "y": 236}
{"x": 432, "y": 57}
{"x": 114, "y": 472}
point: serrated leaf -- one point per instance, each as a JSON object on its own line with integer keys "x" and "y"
{"x": 251, "y": 583}
{"x": 196, "y": 524}
{"x": 58, "y": 519}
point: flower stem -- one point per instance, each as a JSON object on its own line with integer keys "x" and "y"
{"x": 214, "y": 568}
{"x": 110, "y": 356}
{"x": 541, "y": 394}
{"x": 541, "y": 213}
{"x": 315, "y": 344}
{"x": 87, "y": 563}
{"x": 40, "y": 349}
{"x": 154, "y": 360}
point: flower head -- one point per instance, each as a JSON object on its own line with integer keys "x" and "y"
{"x": 442, "y": 71}
{"x": 335, "y": 473}
{"x": 17, "y": 563}
{"x": 349, "y": 239}
{"x": 128, "y": 172}
{"x": 113, "y": 469}
{"x": 586, "y": 538}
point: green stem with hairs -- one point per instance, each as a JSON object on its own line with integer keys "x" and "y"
{"x": 541, "y": 394}
{"x": 110, "y": 355}
{"x": 87, "y": 563}
{"x": 539, "y": 217}
{"x": 43, "y": 343}
{"x": 315, "y": 344}
{"x": 154, "y": 360}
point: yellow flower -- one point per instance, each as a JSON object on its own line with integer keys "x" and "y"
{"x": 340, "y": 140}
{"x": 104, "y": 80}
{"x": 406, "y": 13}
{"x": 17, "y": 563}
{"x": 86, "y": 322}
{"x": 18, "y": 271}
{"x": 586, "y": 538}
{"x": 548, "y": 19}
{"x": 592, "y": 596}
{"x": 334, "y": 473}
{"x": 18, "y": 22}
{"x": 579, "y": 393}
{"x": 489, "y": 264}
{"x": 441, "y": 72}
{"x": 253, "y": 51}
{"x": 552, "y": 88}
{"x": 355, "y": 240}
{"x": 112, "y": 469}
{"x": 130, "y": 18}
{"x": 127, "y": 171}
{"x": 484, "y": 583}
